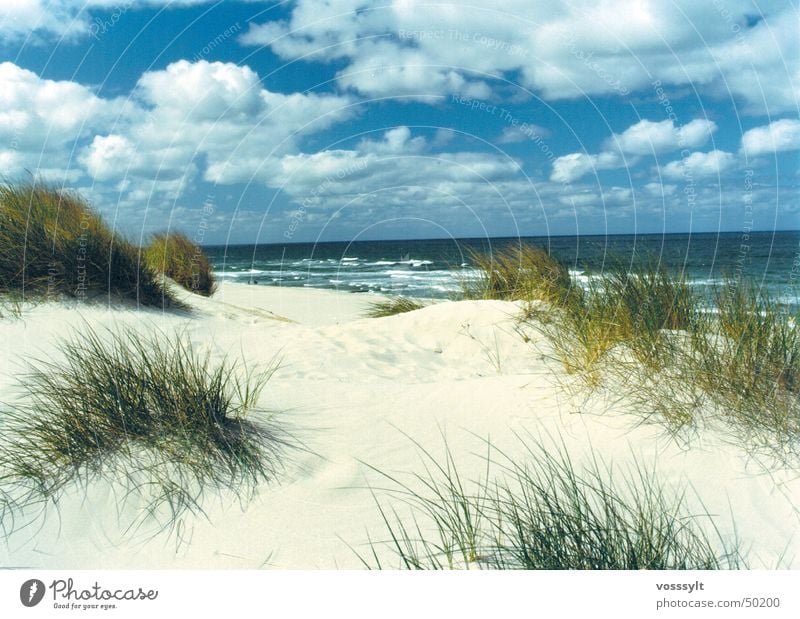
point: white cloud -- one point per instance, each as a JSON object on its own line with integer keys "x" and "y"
{"x": 43, "y": 121}
{"x": 68, "y": 18}
{"x": 108, "y": 157}
{"x": 204, "y": 91}
{"x": 583, "y": 199}
{"x": 19, "y": 18}
{"x": 211, "y": 111}
{"x": 385, "y": 70}
{"x": 352, "y": 172}
{"x": 569, "y": 168}
{"x": 189, "y": 120}
{"x": 643, "y": 138}
{"x": 780, "y": 135}
{"x": 515, "y": 134}
{"x": 558, "y": 49}
{"x": 395, "y": 142}
{"x": 648, "y": 137}
{"x": 659, "y": 189}
{"x": 700, "y": 165}
{"x": 35, "y": 110}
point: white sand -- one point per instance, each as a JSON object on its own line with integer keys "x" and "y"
{"x": 356, "y": 389}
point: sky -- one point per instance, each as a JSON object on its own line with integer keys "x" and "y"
{"x": 321, "y": 120}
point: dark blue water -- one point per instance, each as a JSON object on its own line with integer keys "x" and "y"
{"x": 434, "y": 268}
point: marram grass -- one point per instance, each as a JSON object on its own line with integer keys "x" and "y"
{"x": 390, "y": 307}
{"x": 546, "y": 513}
{"x": 678, "y": 356}
{"x": 53, "y": 244}
{"x": 519, "y": 272}
{"x": 149, "y": 412}
{"x": 181, "y": 259}
{"x": 632, "y": 309}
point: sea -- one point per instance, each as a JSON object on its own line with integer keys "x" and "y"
{"x": 436, "y": 268}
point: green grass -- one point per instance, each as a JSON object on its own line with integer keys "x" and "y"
{"x": 179, "y": 258}
{"x": 53, "y": 244}
{"x": 545, "y": 513}
{"x": 642, "y": 331}
{"x": 146, "y": 411}
{"x": 647, "y": 301}
{"x": 746, "y": 360}
{"x": 519, "y": 272}
{"x": 634, "y": 309}
{"x": 390, "y": 307}
{"x": 10, "y": 305}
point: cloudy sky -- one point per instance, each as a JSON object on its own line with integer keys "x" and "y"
{"x": 338, "y": 119}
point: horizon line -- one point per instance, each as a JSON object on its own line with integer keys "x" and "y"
{"x": 499, "y": 238}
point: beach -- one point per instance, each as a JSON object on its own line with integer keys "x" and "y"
{"x": 365, "y": 398}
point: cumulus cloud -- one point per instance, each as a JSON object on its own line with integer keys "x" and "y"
{"x": 35, "y": 110}
{"x": 396, "y": 171}
{"x": 109, "y": 156}
{"x": 780, "y": 135}
{"x": 352, "y": 172}
{"x": 700, "y": 165}
{"x": 558, "y": 49}
{"x": 211, "y": 111}
{"x": 191, "y": 119}
{"x": 42, "y": 121}
{"x": 626, "y": 148}
{"x": 395, "y": 141}
{"x": 66, "y": 18}
{"x": 646, "y": 136}
{"x": 659, "y": 189}
{"x": 569, "y": 168}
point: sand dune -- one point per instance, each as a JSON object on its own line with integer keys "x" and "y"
{"x": 359, "y": 393}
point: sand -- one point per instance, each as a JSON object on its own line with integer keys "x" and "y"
{"x": 365, "y": 394}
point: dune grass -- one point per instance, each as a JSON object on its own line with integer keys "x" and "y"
{"x": 181, "y": 259}
{"x": 677, "y": 355}
{"x": 746, "y": 359}
{"x": 545, "y": 513}
{"x": 148, "y": 412}
{"x": 52, "y": 243}
{"x": 634, "y": 308}
{"x": 10, "y": 305}
{"x": 390, "y": 307}
{"x": 519, "y": 272}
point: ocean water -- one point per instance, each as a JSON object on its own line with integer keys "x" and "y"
{"x": 435, "y": 268}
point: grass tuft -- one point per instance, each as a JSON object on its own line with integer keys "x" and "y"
{"x": 636, "y": 309}
{"x": 519, "y": 272}
{"x": 149, "y": 411}
{"x": 676, "y": 355}
{"x": 390, "y": 307}
{"x": 547, "y": 514}
{"x": 52, "y": 243}
{"x": 179, "y": 258}
{"x": 746, "y": 359}
{"x": 10, "y": 305}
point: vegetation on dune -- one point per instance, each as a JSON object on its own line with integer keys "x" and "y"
{"x": 10, "y": 305}
{"x": 675, "y": 354}
{"x": 148, "y": 412}
{"x": 519, "y": 272}
{"x": 179, "y": 258}
{"x": 637, "y": 309}
{"x": 52, "y": 243}
{"x": 745, "y": 358}
{"x": 390, "y": 307}
{"x": 544, "y": 513}
{"x": 738, "y": 362}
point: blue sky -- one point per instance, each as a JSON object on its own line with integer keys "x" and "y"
{"x": 319, "y": 120}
